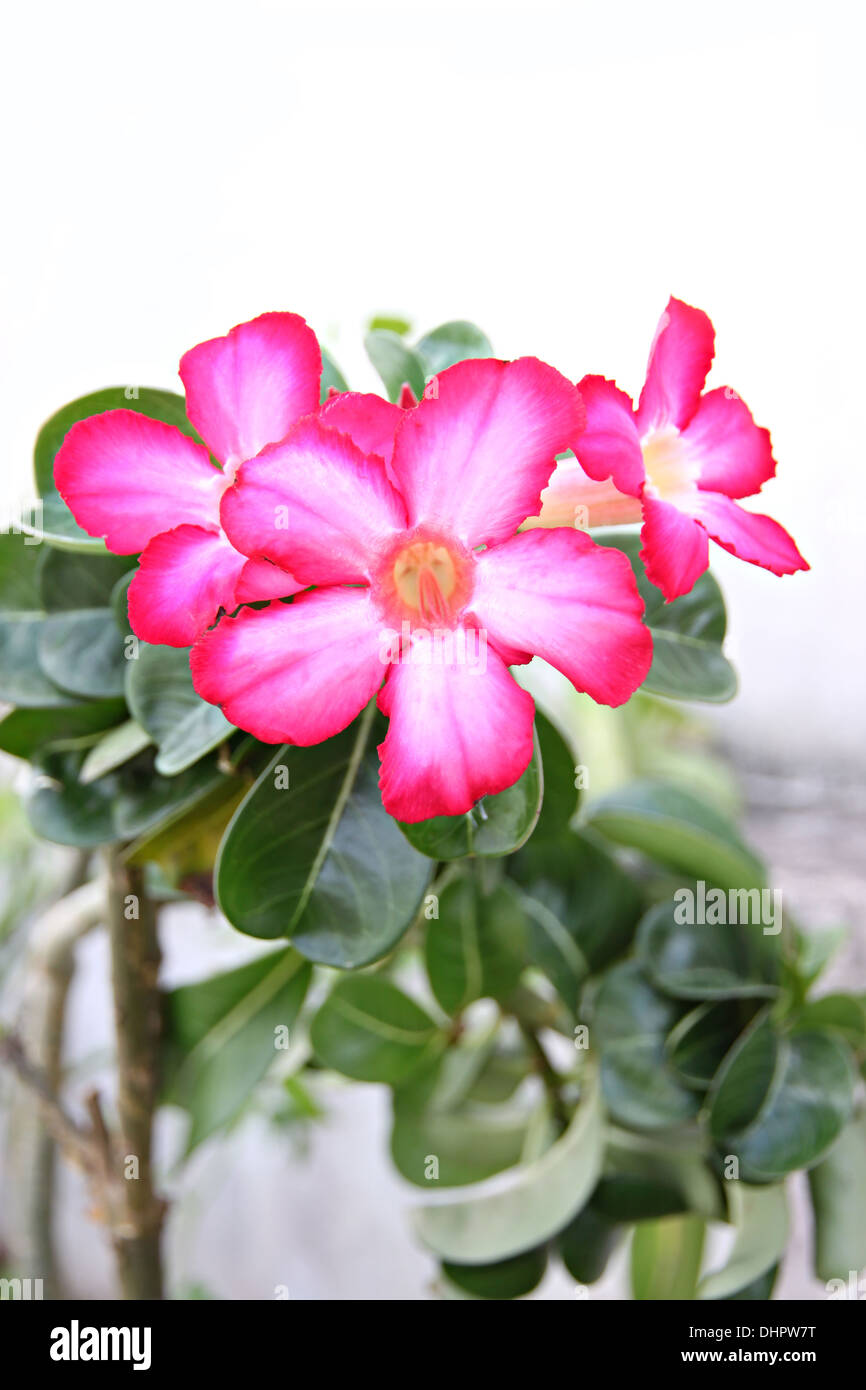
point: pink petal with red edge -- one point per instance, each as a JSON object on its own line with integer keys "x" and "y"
{"x": 758, "y": 539}
{"x": 185, "y": 577}
{"x": 471, "y": 459}
{"x": 735, "y": 454}
{"x": 259, "y": 580}
{"x": 247, "y": 389}
{"x": 293, "y": 673}
{"x": 610, "y": 445}
{"x": 560, "y": 596}
{"x": 457, "y": 732}
{"x": 369, "y": 421}
{"x": 680, "y": 357}
{"x": 126, "y": 478}
{"x": 314, "y": 504}
{"x": 675, "y": 550}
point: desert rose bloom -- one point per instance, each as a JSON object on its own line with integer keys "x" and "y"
{"x": 145, "y": 486}
{"x": 678, "y": 461}
{"x": 421, "y": 579}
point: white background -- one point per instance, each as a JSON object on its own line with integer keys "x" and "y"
{"x": 550, "y": 170}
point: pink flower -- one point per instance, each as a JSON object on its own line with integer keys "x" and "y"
{"x": 681, "y": 455}
{"x": 421, "y": 578}
{"x": 145, "y": 486}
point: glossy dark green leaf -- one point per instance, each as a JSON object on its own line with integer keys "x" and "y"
{"x": 842, "y": 1013}
{"x": 541, "y": 856}
{"x": 780, "y": 1101}
{"x": 517, "y": 1211}
{"x": 497, "y": 825}
{"x": 587, "y": 1244}
{"x": 675, "y": 829}
{"x": 629, "y": 1025}
{"x": 62, "y": 810}
{"x": 146, "y": 800}
{"x": 697, "y": 1045}
{"x": 69, "y": 581}
{"x": 158, "y": 405}
{"x": 222, "y": 1034}
{"x": 838, "y": 1187}
{"x": 370, "y": 1030}
{"x": 688, "y": 662}
{"x": 395, "y": 361}
{"x": 25, "y": 731}
{"x": 505, "y": 1279}
{"x": 477, "y": 945}
{"x": 709, "y": 960}
{"x": 83, "y": 652}
{"x": 161, "y": 698}
{"x": 647, "y": 1176}
{"x": 760, "y": 1219}
{"x": 666, "y": 1258}
{"x": 312, "y": 854}
{"x": 450, "y": 343}
{"x": 553, "y": 947}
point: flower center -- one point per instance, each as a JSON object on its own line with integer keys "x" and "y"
{"x": 425, "y": 577}
{"x": 669, "y": 469}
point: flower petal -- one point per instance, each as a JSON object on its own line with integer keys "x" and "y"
{"x": 247, "y": 389}
{"x": 675, "y": 550}
{"x": 369, "y": 420}
{"x": 126, "y": 478}
{"x": 472, "y": 458}
{"x": 458, "y": 732}
{"x": 758, "y": 539}
{"x": 680, "y": 357}
{"x": 315, "y": 505}
{"x": 184, "y": 578}
{"x": 610, "y": 445}
{"x": 293, "y": 672}
{"x": 735, "y": 454}
{"x": 259, "y": 579}
{"x": 560, "y": 596}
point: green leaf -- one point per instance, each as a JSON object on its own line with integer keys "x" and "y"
{"x": 71, "y": 581}
{"x": 147, "y": 800}
{"x": 331, "y": 377}
{"x": 587, "y": 1244}
{"x": 320, "y": 860}
{"x": 396, "y": 362}
{"x": 779, "y": 1101}
{"x": 518, "y": 1211}
{"x": 62, "y": 810}
{"x": 469, "y": 1141}
{"x": 838, "y": 1187}
{"x": 496, "y": 825}
{"x": 760, "y": 1217}
{"x": 648, "y": 1176}
{"x": 629, "y": 1024}
{"x": 113, "y": 750}
{"x": 554, "y": 949}
{"x": 158, "y": 405}
{"x": 20, "y": 569}
{"x": 688, "y": 662}
{"x": 505, "y": 1279}
{"x": 25, "y": 731}
{"x": 83, "y": 652}
{"x": 477, "y": 947}
{"x": 392, "y": 322}
{"x": 666, "y": 1258}
{"x": 370, "y": 1030}
{"x": 161, "y": 698}
{"x": 677, "y": 830}
{"x": 697, "y": 1045}
{"x": 221, "y": 1036}
{"x": 541, "y": 856}
{"x": 22, "y": 678}
{"x": 843, "y": 1013}
{"x": 709, "y": 960}
{"x": 450, "y": 343}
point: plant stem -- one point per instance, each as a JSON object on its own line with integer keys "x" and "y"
{"x": 135, "y": 960}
